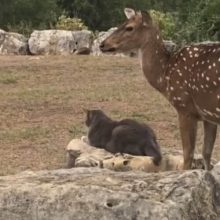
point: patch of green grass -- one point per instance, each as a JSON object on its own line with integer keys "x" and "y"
{"x": 32, "y": 134}
{"x": 76, "y": 131}
{"x": 141, "y": 116}
{"x": 8, "y": 80}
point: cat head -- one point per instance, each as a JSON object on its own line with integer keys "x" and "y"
{"x": 92, "y": 116}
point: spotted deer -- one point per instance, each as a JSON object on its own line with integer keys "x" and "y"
{"x": 189, "y": 79}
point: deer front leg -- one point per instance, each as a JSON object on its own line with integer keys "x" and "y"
{"x": 210, "y": 131}
{"x": 188, "y": 130}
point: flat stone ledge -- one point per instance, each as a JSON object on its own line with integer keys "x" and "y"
{"x": 94, "y": 193}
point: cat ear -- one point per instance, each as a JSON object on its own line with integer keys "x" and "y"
{"x": 85, "y": 110}
{"x": 89, "y": 115}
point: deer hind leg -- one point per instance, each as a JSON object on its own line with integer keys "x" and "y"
{"x": 210, "y": 131}
{"x": 188, "y": 130}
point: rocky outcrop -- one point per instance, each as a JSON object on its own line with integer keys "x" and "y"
{"x": 13, "y": 43}
{"x": 59, "y": 42}
{"x": 81, "y": 154}
{"x": 94, "y": 193}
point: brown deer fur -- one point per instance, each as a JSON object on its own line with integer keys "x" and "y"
{"x": 189, "y": 79}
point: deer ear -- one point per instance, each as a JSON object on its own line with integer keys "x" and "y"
{"x": 129, "y": 12}
{"x": 146, "y": 18}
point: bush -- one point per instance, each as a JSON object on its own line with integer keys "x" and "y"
{"x": 72, "y": 24}
{"x": 166, "y": 23}
{"x": 24, "y": 16}
{"x": 24, "y": 28}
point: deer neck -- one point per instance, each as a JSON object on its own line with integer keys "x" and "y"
{"x": 154, "y": 60}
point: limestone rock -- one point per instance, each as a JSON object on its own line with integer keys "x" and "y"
{"x": 59, "y": 42}
{"x": 81, "y": 154}
{"x": 142, "y": 163}
{"x": 13, "y": 43}
{"x": 93, "y": 193}
{"x": 83, "y": 51}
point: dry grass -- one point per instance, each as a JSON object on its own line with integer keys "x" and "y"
{"x": 42, "y": 101}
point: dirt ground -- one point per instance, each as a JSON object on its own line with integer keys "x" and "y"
{"x": 42, "y": 101}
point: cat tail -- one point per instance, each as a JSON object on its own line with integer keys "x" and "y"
{"x": 155, "y": 153}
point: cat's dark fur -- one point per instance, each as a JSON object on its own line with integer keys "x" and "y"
{"x": 125, "y": 136}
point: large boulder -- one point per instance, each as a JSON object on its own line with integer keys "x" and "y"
{"x": 59, "y": 42}
{"x": 94, "y": 193}
{"x": 13, "y": 43}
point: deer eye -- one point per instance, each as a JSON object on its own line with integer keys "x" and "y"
{"x": 129, "y": 28}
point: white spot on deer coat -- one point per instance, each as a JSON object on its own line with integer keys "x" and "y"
{"x": 182, "y": 105}
{"x": 218, "y": 109}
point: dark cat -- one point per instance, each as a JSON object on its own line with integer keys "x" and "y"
{"x": 125, "y": 136}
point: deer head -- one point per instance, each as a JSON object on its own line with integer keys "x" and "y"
{"x": 132, "y": 34}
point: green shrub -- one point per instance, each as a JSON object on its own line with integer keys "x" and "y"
{"x": 166, "y": 23}
{"x": 73, "y": 24}
{"x": 22, "y": 27}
